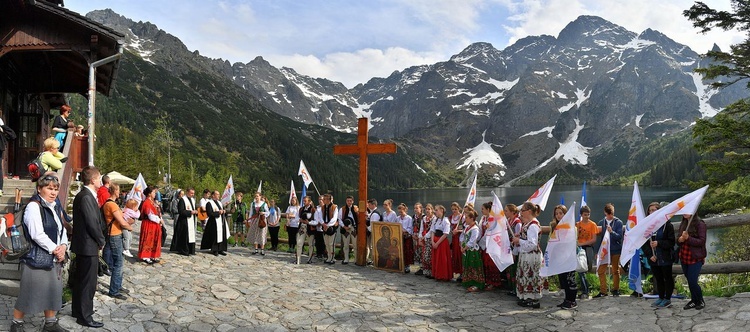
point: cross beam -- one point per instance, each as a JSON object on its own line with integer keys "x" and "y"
{"x": 363, "y": 148}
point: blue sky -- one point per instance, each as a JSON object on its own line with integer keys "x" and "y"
{"x": 352, "y": 41}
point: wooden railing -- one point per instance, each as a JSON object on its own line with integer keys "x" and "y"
{"x": 73, "y": 151}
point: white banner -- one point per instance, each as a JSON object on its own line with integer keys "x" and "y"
{"x": 561, "y": 253}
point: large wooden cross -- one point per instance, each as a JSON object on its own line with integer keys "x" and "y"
{"x": 363, "y": 148}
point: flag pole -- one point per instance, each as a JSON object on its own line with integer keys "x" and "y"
{"x": 316, "y": 187}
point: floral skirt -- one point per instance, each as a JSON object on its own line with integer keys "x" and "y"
{"x": 426, "y": 257}
{"x": 473, "y": 274}
{"x": 149, "y": 244}
{"x": 417, "y": 252}
{"x": 529, "y": 284}
{"x": 492, "y": 276}
{"x": 442, "y": 268}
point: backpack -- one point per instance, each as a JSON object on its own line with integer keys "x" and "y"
{"x": 36, "y": 168}
{"x": 5, "y": 238}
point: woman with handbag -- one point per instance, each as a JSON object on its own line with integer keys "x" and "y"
{"x": 41, "y": 284}
{"x": 257, "y": 226}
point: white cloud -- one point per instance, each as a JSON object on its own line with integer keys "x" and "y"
{"x": 356, "y": 67}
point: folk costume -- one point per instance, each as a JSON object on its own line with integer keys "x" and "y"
{"x": 512, "y": 270}
{"x": 492, "y": 275}
{"x": 457, "y": 223}
{"x": 183, "y": 240}
{"x": 330, "y": 214}
{"x": 529, "y": 282}
{"x": 416, "y": 223}
{"x": 149, "y": 245}
{"x": 408, "y": 242}
{"x": 473, "y": 275}
{"x": 442, "y": 269}
{"x": 426, "y": 241}
{"x": 316, "y": 236}
{"x": 348, "y": 229}
{"x": 257, "y": 235}
{"x": 217, "y": 230}
{"x": 306, "y": 216}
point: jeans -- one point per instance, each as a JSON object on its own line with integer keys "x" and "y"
{"x": 584, "y": 283}
{"x": 113, "y": 254}
{"x": 692, "y": 272}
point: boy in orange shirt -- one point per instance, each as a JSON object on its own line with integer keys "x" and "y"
{"x": 587, "y": 232}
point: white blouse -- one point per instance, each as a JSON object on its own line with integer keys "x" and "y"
{"x": 33, "y": 220}
{"x": 293, "y": 215}
{"x": 532, "y": 239}
{"x": 441, "y": 224}
{"x": 473, "y": 234}
{"x": 406, "y": 223}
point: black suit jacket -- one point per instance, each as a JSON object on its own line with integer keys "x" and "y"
{"x": 87, "y": 225}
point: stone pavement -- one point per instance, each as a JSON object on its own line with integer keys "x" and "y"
{"x": 244, "y": 292}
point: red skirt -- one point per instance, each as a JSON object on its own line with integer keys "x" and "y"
{"x": 149, "y": 245}
{"x": 408, "y": 251}
{"x": 457, "y": 255}
{"x": 492, "y": 275}
{"x": 442, "y": 269}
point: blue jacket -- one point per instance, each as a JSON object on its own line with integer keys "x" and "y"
{"x": 615, "y": 238}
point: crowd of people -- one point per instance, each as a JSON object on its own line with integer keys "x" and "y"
{"x": 445, "y": 245}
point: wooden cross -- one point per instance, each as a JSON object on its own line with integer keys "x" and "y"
{"x": 363, "y": 148}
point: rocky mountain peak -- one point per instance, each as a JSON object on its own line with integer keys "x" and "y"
{"x": 587, "y": 29}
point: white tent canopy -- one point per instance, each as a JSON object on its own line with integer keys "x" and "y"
{"x": 116, "y": 177}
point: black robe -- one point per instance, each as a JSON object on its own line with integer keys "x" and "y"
{"x": 181, "y": 239}
{"x": 209, "y": 240}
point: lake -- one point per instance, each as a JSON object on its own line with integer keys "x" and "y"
{"x": 596, "y": 197}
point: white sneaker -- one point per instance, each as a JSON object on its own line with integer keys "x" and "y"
{"x": 127, "y": 253}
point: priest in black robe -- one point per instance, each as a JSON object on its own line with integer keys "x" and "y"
{"x": 183, "y": 239}
{"x": 216, "y": 233}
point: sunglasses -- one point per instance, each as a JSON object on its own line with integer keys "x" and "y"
{"x": 49, "y": 178}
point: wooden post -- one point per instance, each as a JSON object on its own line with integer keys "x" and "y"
{"x": 363, "y": 148}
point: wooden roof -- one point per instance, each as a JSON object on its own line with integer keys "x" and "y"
{"x": 45, "y": 48}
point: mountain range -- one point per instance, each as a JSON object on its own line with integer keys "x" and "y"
{"x": 581, "y": 103}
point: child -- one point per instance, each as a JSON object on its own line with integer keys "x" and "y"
{"x": 473, "y": 276}
{"x": 130, "y": 214}
{"x": 442, "y": 269}
{"x": 587, "y": 232}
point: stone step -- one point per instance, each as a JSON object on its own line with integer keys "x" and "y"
{"x": 10, "y": 287}
{"x": 9, "y": 270}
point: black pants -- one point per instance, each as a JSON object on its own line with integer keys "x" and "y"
{"x": 320, "y": 244}
{"x": 664, "y": 280}
{"x": 292, "y": 233}
{"x": 85, "y": 287}
{"x": 568, "y": 283}
{"x": 274, "y": 231}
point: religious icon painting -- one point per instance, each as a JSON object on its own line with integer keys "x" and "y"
{"x": 388, "y": 245}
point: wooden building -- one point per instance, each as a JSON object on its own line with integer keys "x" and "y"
{"x": 45, "y": 52}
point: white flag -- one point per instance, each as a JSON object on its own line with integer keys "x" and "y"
{"x": 472, "y": 198}
{"x": 636, "y": 213}
{"x": 497, "y": 240}
{"x": 306, "y": 178}
{"x": 602, "y": 257}
{"x": 228, "y": 192}
{"x": 260, "y": 186}
{"x": 637, "y": 236}
{"x": 292, "y": 193}
{"x": 137, "y": 192}
{"x": 541, "y": 195}
{"x": 561, "y": 253}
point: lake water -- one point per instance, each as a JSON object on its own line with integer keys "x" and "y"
{"x": 596, "y": 198}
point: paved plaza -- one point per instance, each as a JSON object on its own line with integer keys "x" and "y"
{"x": 244, "y": 292}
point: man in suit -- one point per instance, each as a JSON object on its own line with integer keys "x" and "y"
{"x": 86, "y": 242}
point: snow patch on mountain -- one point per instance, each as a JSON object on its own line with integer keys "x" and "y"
{"x": 136, "y": 44}
{"x": 503, "y": 85}
{"x": 548, "y": 130}
{"x": 572, "y": 151}
{"x": 481, "y": 154}
{"x": 704, "y": 94}
{"x": 637, "y": 43}
{"x": 638, "y": 120}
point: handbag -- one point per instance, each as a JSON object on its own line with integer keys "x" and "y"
{"x": 262, "y": 221}
{"x": 39, "y": 258}
{"x": 583, "y": 264}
